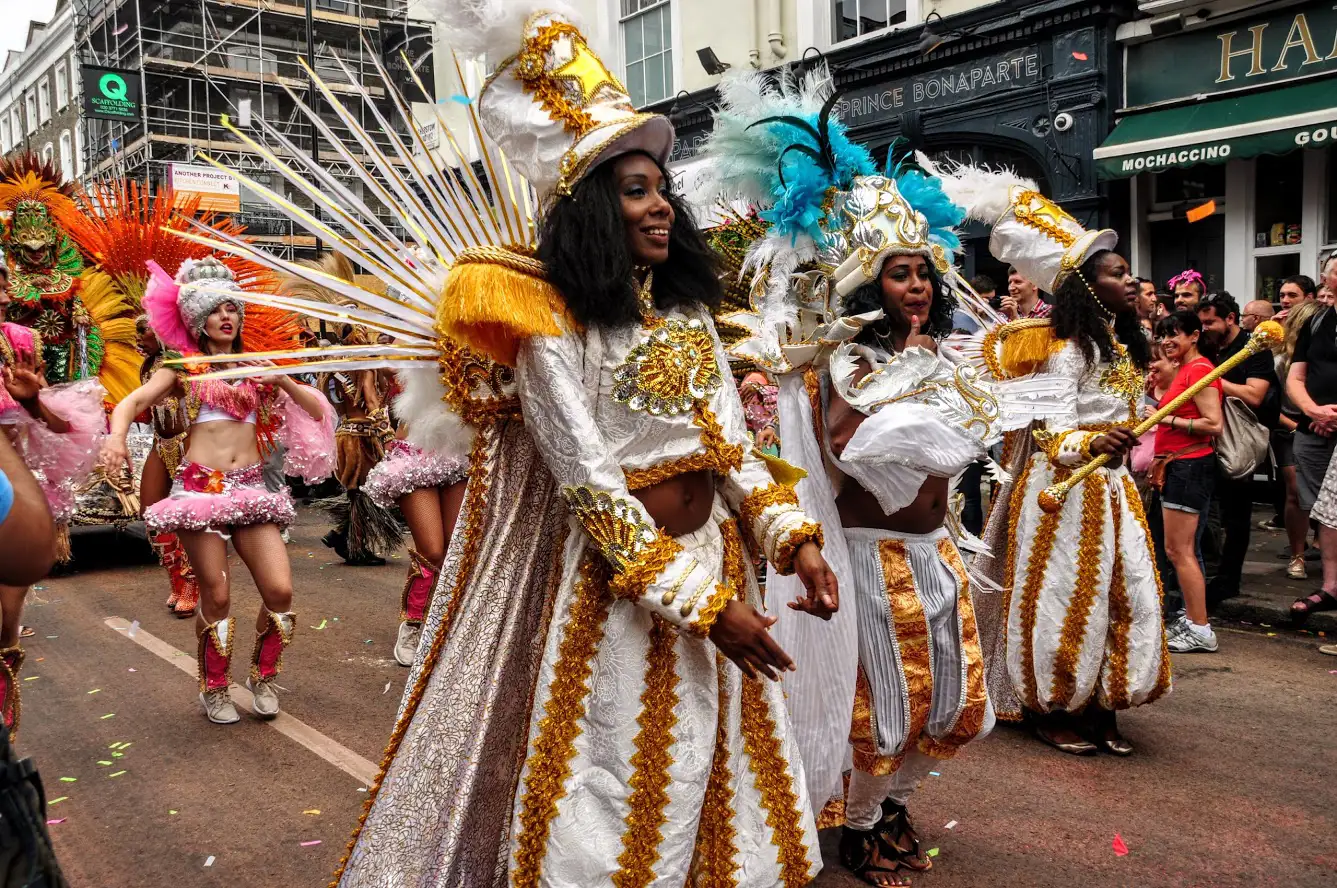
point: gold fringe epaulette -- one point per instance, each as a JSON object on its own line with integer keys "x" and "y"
{"x": 1020, "y": 347}
{"x": 495, "y": 299}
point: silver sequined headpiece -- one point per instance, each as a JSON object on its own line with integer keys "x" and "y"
{"x": 205, "y": 285}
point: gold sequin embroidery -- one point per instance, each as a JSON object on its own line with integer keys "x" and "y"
{"x": 1121, "y": 617}
{"x": 1084, "y": 592}
{"x": 670, "y": 371}
{"x": 554, "y": 746}
{"x": 617, "y": 527}
{"x": 1042, "y": 544}
{"x": 786, "y": 549}
{"x": 775, "y": 784}
{"x": 715, "y": 833}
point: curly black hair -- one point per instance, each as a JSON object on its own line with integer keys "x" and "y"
{"x": 1076, "y": 317}
{"x": 583, "y": 245}
{"x": 869, "y": 298}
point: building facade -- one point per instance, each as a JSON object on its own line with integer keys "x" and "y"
{"x": 39, "y": 95}
{"x": 1227, "y": 114}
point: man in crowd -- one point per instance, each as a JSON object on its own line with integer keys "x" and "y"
{"x": 1023, "y": 298}
{"x": 1255, "y": 383}
{"x": 1146, "y": 303}
{"x": 1255, "y": 313}
{"x": 1189, "y": 288}
{"x": 1296, "y": 290}
{"x": 1311, "y": 386}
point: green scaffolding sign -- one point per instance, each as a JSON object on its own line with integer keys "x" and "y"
{"x": 111, "y": 94}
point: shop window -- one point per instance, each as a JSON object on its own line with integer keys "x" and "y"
{"x": 854, "y": 18}
{"x": 647, "y": 50}
{"x": 1191, "y": 185}
{"x": 1271, "y": 271}
{"x": 1278, "y": 202}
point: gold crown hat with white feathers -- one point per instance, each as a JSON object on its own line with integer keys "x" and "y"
{"x": 552, "y": 105}
{"x": 1030, "y": 231}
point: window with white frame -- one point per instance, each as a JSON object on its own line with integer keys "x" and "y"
{"x": 44, "y": 99}
{"x": 48, "y": 152}
{"x": 647, "y": 50}
{"x": 78, "y": 151}
{"x": 30, "y": 105}
{"x": 4, "y": 134}
{"x": 854, "y": 18}
{"x": 15, "y": 124}
{"x": 62, "y": 85}
{"x": 67, "y": 156}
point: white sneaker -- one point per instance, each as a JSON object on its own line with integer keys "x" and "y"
{"x": 1193, "y": 639}
{"x": 266, "y": 702}
{"x": 218, "y": 707}
{"x": 406, "y": 643}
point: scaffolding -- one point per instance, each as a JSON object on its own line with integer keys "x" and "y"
{"x": 199, "y": 60}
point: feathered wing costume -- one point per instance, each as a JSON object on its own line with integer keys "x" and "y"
{"x": 1079, "y": 619}
{"x": 833, "y": 221}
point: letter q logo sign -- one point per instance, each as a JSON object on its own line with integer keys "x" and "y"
{"x": 113, "y": 86}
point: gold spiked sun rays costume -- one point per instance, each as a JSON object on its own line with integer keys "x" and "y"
{"x": 622, "y": 749}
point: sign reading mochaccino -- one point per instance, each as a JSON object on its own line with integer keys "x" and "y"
{"x": 111, "y": 93}
{"x": 1298, "y": 41}
{"x": 945, "y": 86}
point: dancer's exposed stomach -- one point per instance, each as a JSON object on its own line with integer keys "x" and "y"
{"x": 681, "y": 504}
{"x": 223, "y": 445}
{"x": 859, "y": 508}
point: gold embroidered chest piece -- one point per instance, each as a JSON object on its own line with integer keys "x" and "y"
{"x": 672, "y": 369}
{"x": 1123, "y": 378}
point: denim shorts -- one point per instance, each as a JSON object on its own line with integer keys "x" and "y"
{"x": 1189, "y": 483}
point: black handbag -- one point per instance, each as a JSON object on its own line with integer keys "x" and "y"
{"x": 26, "y": 857}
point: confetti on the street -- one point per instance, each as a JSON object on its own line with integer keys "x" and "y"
{"x": 323, "y": 624}
{"x": 1266, "y": 625}
{"x": 1271, "y": 635}
{"x": 54, "y": 822}
{"x": 32, "y": 678}
{"x": 117, "y": 755}
{"x": 133, "y": 669}
{"x": 362, "y": 789}
{"x": 933, "y": 852}
{"x": 69, "y": 780}
{"x": 170, "y": 811}
{"x": 108, "y": 715}
{"x": 103, "y": 762}
{"x": 386, "y": 690}
{"x": 134, "y": 628}
{"x": 1120, "y": 849}
{"x": 934, "y": 774}
{"x": 53, "y": 636}
{"x": 950, "y": 825}
{"x": 336, "y": 619}
{"x": 57, "y": 801}
{"x": 312, "y": 811}
{"x": 368, "y": 641}
{"x": 117, "y": 774}
{"x": 209, "y": 861}
{"x": 95, "y": 690}
{"x": 309, "y": 844}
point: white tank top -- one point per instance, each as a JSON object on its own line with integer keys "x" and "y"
{"x": 210, "y": 414}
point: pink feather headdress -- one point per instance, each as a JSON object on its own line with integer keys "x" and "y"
{"x": 1188, "y": 276}
{"x": 161, "y": 302}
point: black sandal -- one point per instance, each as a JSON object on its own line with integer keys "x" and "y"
{"x": 897, "y": 831}
{"x": 859, "y": 853}
{"x": 1312, "y": 604}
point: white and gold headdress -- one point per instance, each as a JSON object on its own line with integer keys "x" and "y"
{"x": 552, "y": 105}
{"x": 1030, "y": 231}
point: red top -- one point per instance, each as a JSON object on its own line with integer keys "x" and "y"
{"x": 1170, "y": 440}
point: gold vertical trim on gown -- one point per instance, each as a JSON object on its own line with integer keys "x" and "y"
{"x": 714, "y": 865}
{"x": 775, "y": 784}
{"x": 650, "y": 778}
{"x": 1121, "y": 618}
{"x": 1135, "y": 505}
{"x": 555, "y": 745}
{"x": 1084, "y": 593}
{"x": 970, "y": 720}
{"x": 1036, "y": 564}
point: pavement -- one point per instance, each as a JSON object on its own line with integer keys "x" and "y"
{"x": 1266, "y": 594}
{"x": 1231, "y": 784}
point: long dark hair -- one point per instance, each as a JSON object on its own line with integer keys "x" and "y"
{"x": 869, "y": 298}
{"x": 583, "y": 245}
{"x": 1077, "y": 317}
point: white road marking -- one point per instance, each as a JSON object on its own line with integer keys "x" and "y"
{"x": 298, "y": 731}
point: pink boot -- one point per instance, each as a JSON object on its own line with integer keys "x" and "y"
{"x": 215, "y": 664}
{"x": 416, "y": 598}
{"x": 267, "y": 661}
{"x": 11, "y": 660}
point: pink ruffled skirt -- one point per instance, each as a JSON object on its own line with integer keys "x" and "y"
{"x": 405, "y": 469}
{"x": 203, "y": 498}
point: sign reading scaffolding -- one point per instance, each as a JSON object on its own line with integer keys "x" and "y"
{"x": 218, "y": 191}
{"x": 110, "y": 94}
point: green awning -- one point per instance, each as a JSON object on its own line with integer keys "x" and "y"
{"x": 1273, "y": 121}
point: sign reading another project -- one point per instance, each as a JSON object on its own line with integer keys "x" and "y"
{"x": 110, "y": 94}
{"x": 219, "y": 191}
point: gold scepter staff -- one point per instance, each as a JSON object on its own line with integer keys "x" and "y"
{"x": 1265, "y": 335}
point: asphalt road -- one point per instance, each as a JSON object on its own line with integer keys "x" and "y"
{"x": 1232, "y": 784}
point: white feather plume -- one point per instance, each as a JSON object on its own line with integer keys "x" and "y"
{"x": 980, "y": 191}
{"x": 489, "y": 27}
{"x": 432, "y": 425}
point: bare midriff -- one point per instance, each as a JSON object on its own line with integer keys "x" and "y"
{"x": 681, "y": 504}
{"x": 859, "y": 508}
{"x": 223, "y": 445}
